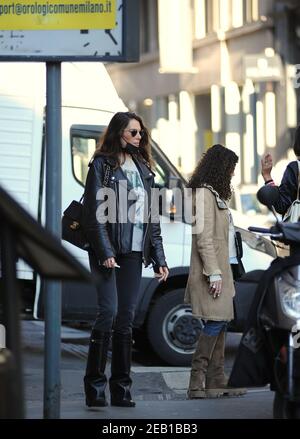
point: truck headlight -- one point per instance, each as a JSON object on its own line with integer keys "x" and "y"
{"x": 289, "y": 294}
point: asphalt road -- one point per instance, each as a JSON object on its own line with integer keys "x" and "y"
{"x": 158, "y": 389}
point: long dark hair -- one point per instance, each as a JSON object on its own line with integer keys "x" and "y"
{"x": 215, "y": 169}
{"x": 110, "y": 144}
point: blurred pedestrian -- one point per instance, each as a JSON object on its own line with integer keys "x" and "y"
{"x": 210, "y": 288}
{"x": 118, "y": 248}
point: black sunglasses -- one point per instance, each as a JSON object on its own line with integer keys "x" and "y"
{"x": 134, "y": 132}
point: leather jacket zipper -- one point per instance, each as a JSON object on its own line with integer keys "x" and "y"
{"x": 117, "y": 218}
{"x": 144, "y": 239}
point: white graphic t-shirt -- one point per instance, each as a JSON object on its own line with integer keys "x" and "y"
{"x": 131, "y": 171}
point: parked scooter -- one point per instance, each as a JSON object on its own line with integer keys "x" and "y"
{"x": 269, "y": 352}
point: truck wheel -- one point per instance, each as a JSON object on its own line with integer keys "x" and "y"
{"x": 284, "y": 409}
{"x": 172, "y": 329}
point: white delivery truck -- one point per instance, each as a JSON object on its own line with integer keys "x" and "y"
{"x": 89, "y": 100}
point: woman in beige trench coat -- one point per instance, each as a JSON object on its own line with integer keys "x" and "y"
{"x": 210, "y": 286}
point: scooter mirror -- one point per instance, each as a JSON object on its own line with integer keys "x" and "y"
{"x": 268, "y": 195}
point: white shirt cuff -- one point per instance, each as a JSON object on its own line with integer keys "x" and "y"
{"x": 215, "y": 277}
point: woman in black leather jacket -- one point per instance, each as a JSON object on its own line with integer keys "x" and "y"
{"x": 122, "y": 226}
{"x": 289, "y": 183}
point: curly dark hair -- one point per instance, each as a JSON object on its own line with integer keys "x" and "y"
{"x": 110, "y": 143}
{"x": 215, "y": 169}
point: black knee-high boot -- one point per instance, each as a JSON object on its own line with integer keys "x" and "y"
{"x": 95, "y": 380}
{"x": 120, "y": 381}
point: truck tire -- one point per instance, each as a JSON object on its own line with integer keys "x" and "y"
{"x": 172, "y": 330}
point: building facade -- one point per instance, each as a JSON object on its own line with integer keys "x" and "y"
{"x": 239, "y": 91}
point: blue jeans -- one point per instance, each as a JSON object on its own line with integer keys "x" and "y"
{"x": 214, "y": 328}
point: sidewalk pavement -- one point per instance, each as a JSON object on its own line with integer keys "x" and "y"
{"x": 160, "y": 392}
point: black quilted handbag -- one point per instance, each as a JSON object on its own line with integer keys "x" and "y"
{"x": 72, "y": 220}
{"x": 72, "y": 230}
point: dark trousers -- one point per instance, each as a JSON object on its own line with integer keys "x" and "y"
{"x": 117, "y": 292}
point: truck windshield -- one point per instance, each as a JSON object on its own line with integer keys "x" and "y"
{"x": 83, "y": 145}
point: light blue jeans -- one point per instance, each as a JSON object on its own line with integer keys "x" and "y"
{"x": 214, "y": 328}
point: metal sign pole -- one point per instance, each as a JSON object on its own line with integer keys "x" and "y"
{"x": 11, "y": 320}
{"x": 52, "y": 383}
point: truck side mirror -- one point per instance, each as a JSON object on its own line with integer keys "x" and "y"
{"x": 174, "y": 182}
{"x": 175, "y": 190}
{"x": 169, "y": 198}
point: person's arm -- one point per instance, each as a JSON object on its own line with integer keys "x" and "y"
{"x": 160, "y": 266}
{"x": 94, "y": 226}
{"x": 288, "y": 186}
{"x": 287, "y": 190}
{"x": 266, "y": 168}
{"x": 205, "y": 219}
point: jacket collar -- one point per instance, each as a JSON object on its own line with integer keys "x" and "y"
{"x": 142, "y": 165}
{"x": 143, "y": 168}
{"x": 110, "y": 160}
{"x": 221, "y": 203}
